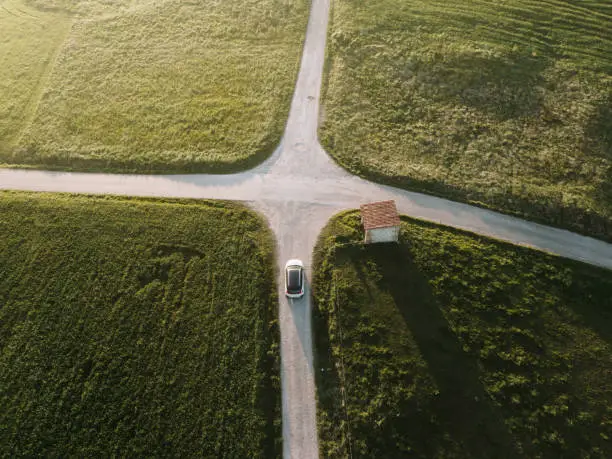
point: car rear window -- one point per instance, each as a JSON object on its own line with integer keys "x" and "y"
{"x": 293, "y": 279}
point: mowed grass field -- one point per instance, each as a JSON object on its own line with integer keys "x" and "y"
{"x": 136, "y": 327}
{"x": 451, "y": 345}
{"x": 504, "y": 104}
{"x": 26, "y": 48}
{"x": 146, "y": 85}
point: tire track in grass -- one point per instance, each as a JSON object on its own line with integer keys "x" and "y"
{"x": 9, "y": 11}
{"x": 34, "y": 102}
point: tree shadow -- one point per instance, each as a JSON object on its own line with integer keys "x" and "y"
{"x": 598, "y": 139}
{"x": 268, "y": 399}
{"x": 332, "y": 424}
{"x": 590, "y": 297}
{"x": 504, "y": 87}
{"x": 463, "y": 408}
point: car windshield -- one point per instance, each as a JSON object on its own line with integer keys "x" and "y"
{"x": 294, "y": 281}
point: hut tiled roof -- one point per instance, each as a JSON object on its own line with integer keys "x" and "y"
{"x": 380, "y": 214}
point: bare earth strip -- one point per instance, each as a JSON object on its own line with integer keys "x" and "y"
{"x": 298, "y": 189}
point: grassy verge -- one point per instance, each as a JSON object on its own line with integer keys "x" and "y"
{"x": 454, "y": 345}
{"x": 506, "y": 106}
{"x": 133, "y": 327}
{"x": 158, "y": 86}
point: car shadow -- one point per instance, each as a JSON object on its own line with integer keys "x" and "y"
{"x": 301, "y": 315}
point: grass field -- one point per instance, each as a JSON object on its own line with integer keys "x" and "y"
{"x": 136, "y": 328}
{"x": 26, "y": 48}
{"x": 451, "y": 345}
{"x": 147, "y": 85}
{"x": 506, "y": 104}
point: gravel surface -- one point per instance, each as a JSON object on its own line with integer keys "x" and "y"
{"x": 298, "y": 189}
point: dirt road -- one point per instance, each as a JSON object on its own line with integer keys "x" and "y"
{"x": 298, "y": 188}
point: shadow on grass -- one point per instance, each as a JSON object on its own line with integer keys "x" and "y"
{"x": 505, "y": 87}
{"x": 599, "y": 145}
{"x": 269, "y": 394}
{"x": 600, "y": 128}
{"x": 331, "y": 414}
{"x": 462, "y": 406}
{"x": 458, "y": 421}
{"x": 590, "y": 297}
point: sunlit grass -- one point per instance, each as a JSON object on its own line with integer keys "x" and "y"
{"x": 152, "y": 86}
{"x": 507, "y": 104}
{"x": 29, "y": 41}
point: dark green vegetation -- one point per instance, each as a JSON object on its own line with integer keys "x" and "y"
{"x": 146, "y": 85}
{"x": 455, "y": 345}
{"x": 503, "y": 104}
{"x": 136, "y": 328}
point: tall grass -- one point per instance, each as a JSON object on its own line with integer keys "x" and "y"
{"x": 165, "y": 86}
{"x": 503, "y": 104}
{"x": 454, "y": 345}
{"x": 134, "y": 327}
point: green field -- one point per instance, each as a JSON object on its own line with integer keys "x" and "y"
{"x": 452, "y": 345}
{"x": 146, "y": 85}
{"x": 136, "y": 328}
{"x": 504, "y": 104}
{"x": 27, "y": 47}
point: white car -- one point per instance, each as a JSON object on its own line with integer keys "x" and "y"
{"x": 294, "y": 278}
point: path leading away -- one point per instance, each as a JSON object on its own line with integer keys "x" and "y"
{"x": 298, "y": 189}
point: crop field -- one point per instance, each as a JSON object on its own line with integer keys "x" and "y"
{"x": 507, "y": 105}
{"x": 450, "y": 344}
{"x": 136, "y": 328}
{"x": 146, "y": 85}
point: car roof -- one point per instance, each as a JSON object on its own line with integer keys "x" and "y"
{"x": 294, "y": 279}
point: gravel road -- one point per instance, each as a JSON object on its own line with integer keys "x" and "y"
{"x": 298, "y": 188}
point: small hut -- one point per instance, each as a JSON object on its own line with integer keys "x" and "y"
{"x": 380, "y": 222}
